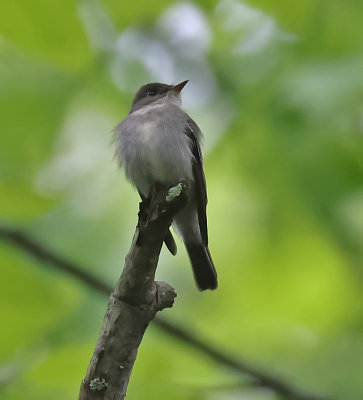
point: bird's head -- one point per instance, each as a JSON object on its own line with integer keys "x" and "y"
{"x": 157, "y": 93}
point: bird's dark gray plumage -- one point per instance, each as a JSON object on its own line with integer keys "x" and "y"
{"x": 158, "y": 143}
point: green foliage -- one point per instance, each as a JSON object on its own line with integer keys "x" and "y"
{"x": 277, "y": 90}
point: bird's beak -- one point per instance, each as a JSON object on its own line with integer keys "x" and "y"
{"x": 179, "y": 86}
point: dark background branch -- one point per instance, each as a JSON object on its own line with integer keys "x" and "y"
{"x": 22, "y": 240}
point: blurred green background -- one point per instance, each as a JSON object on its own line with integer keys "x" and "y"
{"x": 277, "y": 88}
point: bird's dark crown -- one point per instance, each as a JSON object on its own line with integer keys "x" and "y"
{"x": 152, "y": 89}
{"x": 149, "y": 93}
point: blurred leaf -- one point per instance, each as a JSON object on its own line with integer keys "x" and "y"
{"x": 31, "y": 303}
{"x": 48, "y": 30}
{"x": 20, "y": 202}
{"x": 32, "y": 101}
{"x": 325, "y": 28}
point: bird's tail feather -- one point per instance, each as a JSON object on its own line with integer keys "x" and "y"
{"x": 204, "y": 272}
{"x": 170, "y": 243}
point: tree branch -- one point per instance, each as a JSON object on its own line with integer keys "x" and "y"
{"x": 134, "y": 302}
{"x": 258, "y": 377}
{"x": 21, "y": 240}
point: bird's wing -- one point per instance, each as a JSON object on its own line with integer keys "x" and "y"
{"x": 194, "y": 134}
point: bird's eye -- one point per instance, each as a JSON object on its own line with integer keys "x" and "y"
{"x": 151, "y": 93}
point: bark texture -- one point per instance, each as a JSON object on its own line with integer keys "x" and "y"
{"x": 134, "y": 301}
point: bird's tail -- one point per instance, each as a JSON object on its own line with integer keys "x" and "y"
{"x": 170, "y": 243}
{"x": 204, "y": 272}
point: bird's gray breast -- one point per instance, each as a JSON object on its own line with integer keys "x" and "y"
{"x": 154, "y": 148}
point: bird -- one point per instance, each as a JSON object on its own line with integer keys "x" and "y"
{"x": 158, "y": 143}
